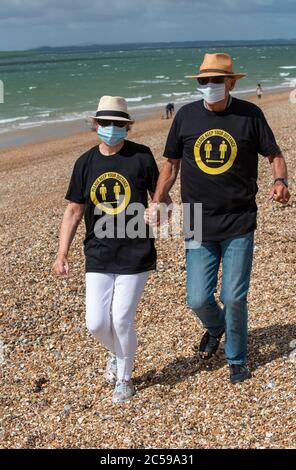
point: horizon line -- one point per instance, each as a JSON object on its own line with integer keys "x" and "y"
{"x": 197, "y": 41}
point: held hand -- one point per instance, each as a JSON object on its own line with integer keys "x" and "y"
{"x": 60, "y": 266}
{"x": 158, "y": 213}
{"x": 152, "y": 215}
{"x": 279, "y": 193}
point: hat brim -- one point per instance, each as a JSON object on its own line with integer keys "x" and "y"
{"x": 113, "y": 118}
{"x": 236, "y": 76}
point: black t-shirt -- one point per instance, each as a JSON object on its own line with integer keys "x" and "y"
{"x": 109, "y": 186}
{"x": 219, "y": 152}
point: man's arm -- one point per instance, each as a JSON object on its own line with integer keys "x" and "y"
{"x": 167, "y": 178}
{"x": 279, "y": 192}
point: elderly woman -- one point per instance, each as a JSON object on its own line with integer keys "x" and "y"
{"x": 107, "y": 182}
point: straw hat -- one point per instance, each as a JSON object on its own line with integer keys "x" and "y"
{"x": 112, "y": 107}
{"x": 215, "y": 65}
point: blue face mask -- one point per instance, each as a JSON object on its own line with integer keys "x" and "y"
{"x": 112, "y": 135}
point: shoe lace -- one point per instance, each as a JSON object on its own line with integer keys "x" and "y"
{"x": 122, "y": 386}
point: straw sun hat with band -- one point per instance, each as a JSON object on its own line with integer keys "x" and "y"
{"x": 215, "y": 65}
{"x": 113, "y": 108}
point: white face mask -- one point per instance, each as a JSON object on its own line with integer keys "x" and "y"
{"x": 212, "y": 92}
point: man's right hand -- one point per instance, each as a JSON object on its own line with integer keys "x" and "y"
{"x": 60, "y": 266}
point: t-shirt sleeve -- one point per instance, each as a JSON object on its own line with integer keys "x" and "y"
{"x": 75, "y": 191}
{"x": 152, "y": 174}
{"x": 266, "y": 143}
{"x": 174, "y": 143}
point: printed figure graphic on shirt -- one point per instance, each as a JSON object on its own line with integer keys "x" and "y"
{"x": 208, "y": 149}
{"x": 223, "y": 149}
{"x": 103, "y": 192}
{"x": 117, "y": 190}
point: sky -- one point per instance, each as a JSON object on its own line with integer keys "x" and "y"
{"x": 26, "y": 24}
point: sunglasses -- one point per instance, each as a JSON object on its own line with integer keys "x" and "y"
{"x": 106, "y": 123}
{"x": 206, "y": 80}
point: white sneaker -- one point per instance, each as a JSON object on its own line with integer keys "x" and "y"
{"x": 124, "y": 389}
{"x": 111, "y": 369}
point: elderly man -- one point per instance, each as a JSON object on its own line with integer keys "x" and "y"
{"x": 218, "y": 140}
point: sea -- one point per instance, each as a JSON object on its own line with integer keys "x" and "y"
{"x": 50, "y": 85}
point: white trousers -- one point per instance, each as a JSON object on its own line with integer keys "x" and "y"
{"x": 111, "y": 303}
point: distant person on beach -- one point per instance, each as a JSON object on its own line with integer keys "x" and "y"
{"x": 218, "y": 140}
{"x": 259, "y": 91}
{"x": 105, "y": 182}
{"x": 169, "y": 109}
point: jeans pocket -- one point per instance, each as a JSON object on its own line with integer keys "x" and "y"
{"x": 191, "y": 244}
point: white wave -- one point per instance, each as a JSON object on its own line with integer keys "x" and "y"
{"x": 159, "y": 76}
{"x": 284, "y": 74}
{"x": 138, "y": 98}
{"x": 291, "y": 82}
{"x": 32, "y": 87}
{"x": 181, "y": 93}
{"x": 33, "y": 124}
{"x": 21, "y": 118}
{"x": 166, "y": 95}
{"x": 149, "y": 106}
{"x": 60, "y": 119}
{"x": 287, "y": 67}
{"x": 153, "y": 81}
{"x": 148, "y": 81}
{"x": 163, "y": 104}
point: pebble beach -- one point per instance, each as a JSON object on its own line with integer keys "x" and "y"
{"x": 53, "y": 394}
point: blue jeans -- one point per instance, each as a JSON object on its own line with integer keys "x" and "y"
{"x": 202, "y": 270}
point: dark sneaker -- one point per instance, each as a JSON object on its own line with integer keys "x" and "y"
{"x": 209, "y": 345}
{"x": 238, "y": 373}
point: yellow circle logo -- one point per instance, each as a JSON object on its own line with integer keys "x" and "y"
{"x": 111, "y": 193}
{"x": 215, "y": 151}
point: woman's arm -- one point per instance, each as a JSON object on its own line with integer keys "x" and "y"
{"x": 72, "y": 217}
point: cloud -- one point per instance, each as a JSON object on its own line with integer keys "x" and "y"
{"x": 24, "y": 22}
{"x": 112, "y": 10}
